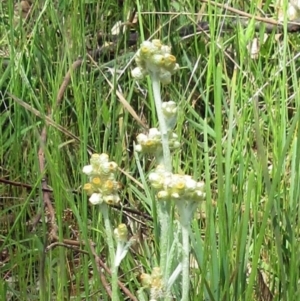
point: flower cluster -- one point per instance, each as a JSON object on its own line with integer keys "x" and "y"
{"x": 155, "y": 58}
{"x": 171, "y": 186}
{"x": 151, "y": 143}
{"x": 102, "y": 186}
{"x": 121, "y": 233}
{"x": 123, "y": 244}
{"x": 154, "y": 282}
{"x": 169, "y": 110}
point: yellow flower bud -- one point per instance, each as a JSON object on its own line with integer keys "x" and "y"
{"x": 170, "y": 62}
{"x": 163, "y": 195}
{"x": 146, "y": 280}
{"x": 88, "y": 188}
{"x": 157, "y": 43}
{"x": 111, "y": 199}
{"x": 96, "y": 182}
{"x": 158, "y": 60}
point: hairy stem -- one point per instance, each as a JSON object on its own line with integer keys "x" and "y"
{"x": 110, "y": 241}
{"x": 162, "y": 123}
{"x": 185, "y": 263}
{"x": 164, "y": 208}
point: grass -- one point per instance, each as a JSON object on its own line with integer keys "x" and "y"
{"x": 238, "y": 124}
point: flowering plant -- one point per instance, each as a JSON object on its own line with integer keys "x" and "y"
{"x": 153, "y": 59}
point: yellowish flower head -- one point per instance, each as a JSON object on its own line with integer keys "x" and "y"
{"x": 155, "y": 58}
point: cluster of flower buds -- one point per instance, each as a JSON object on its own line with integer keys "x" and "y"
{"x": 169, "y": 110}
{"x": 154, "y": 282}
{"x": 123, "y": 244}
{"x": 151, "y": 143}
{"x": 171, "y": 186}
{"x": 121, "y": 233}
{"x": 155, "y": 58}
{"x": 102, "y": 186}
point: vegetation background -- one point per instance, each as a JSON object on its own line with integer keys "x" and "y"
{"x": 238, "y": 124}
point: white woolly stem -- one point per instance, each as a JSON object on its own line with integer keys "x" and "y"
{"x": 164, "y": 219}
{"x": 185, "y": 209}
{"x": 185, "y": 263}
{"x": 110, "y": 241}
{"x": 162, "y": 122}
{"x": 164, "y": 208}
